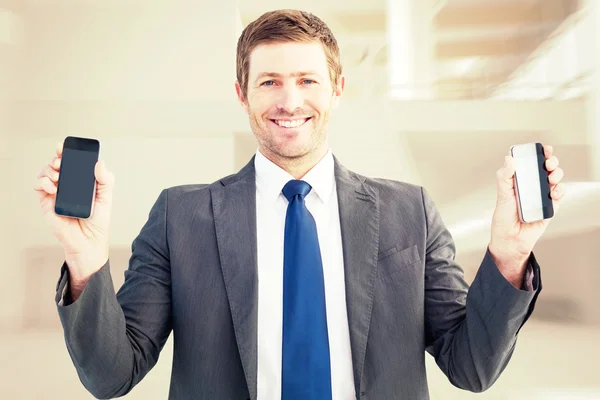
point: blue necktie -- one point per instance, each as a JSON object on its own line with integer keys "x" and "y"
{"x": 306, "y": 371}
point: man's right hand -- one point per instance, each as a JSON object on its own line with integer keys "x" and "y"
{"x": 85, "y": 241}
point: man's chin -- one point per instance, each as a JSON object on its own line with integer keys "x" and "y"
{"x": 290, "y": 152}
{"x": 293, "y": 154}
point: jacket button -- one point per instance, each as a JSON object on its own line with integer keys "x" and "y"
{"x": 363, "y": 393}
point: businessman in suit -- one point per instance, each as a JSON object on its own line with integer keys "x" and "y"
{"x": 294, "y": 278}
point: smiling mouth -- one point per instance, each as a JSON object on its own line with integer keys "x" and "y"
{"x": 289, "y": 124}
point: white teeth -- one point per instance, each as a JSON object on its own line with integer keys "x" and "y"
{"x": 291, "y": 124}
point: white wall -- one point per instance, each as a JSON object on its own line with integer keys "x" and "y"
{"x": 8, "y": 24}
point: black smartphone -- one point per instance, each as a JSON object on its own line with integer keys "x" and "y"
{"x": 76, "y": 180}
{"x": 532, "y": 186}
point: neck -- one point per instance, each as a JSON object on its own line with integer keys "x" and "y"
{"x": 297, "y": 166}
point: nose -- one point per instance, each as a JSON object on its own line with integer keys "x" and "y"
{"x": 291, "y": 99}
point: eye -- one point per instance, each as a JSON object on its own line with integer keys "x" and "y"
{"x": 268, "y": 83}
{"x": 308, "y": 81}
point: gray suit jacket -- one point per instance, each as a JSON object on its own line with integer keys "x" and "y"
{"x": 193, "y": 272}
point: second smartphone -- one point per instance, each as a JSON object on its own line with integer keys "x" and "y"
{"x": 531, "y": 182}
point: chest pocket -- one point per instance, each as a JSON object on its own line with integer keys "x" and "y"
{"x": 395, "y": 259}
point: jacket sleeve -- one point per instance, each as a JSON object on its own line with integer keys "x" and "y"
{"x": 114, "y": 340}
{"x": 471, "y": 332}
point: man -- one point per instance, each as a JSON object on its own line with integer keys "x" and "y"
{"x": 294, "y": 278}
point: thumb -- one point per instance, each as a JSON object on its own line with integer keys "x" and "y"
{"x": 505, "y": 180}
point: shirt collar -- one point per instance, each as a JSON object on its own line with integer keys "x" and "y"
{"x": 270, "y": 178}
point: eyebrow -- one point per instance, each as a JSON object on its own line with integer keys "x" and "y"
{"x": 278, "y": 75}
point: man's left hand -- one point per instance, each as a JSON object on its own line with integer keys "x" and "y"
{"x": 512, "y": 240}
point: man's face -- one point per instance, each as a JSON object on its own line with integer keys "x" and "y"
{"x": 289, "y": 98}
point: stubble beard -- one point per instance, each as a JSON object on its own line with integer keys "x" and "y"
{"x": 268, "y": 144}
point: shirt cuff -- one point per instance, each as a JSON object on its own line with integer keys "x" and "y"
{"x": 63, "y": 294}
{"x": 528, "y": 278}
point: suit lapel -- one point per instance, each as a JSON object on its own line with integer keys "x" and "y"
{"x": 234, "y": 209}
{"x": 359, "y": 220}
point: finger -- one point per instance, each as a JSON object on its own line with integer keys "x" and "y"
{"x": 59, "y": 149}
{"x": 557, "y": 195}
{"x": 551, "y": 163}
{"x": 103, "y": 175}
{"x": 558, "y": 192}
{"x": 49, "y": 172}
{"x": 555, "y": 177}
{"x": 55, "y": 164}
{"x": 44, "y": 186}
{"x": 548, "y": 150}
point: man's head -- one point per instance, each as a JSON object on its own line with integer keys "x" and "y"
{"x": 289, "y": 77}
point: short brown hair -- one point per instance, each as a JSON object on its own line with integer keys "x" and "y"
{"x": 286, "y": 26}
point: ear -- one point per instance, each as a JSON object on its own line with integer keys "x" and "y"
{"x": 338, "y": 90}
{"x": 240, "y": 96}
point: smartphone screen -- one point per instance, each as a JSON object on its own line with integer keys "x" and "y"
{"x": 77, "y": 181}
{"x": 531, "y": 181}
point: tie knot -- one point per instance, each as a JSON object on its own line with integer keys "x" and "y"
{"x": 294, "y": 188}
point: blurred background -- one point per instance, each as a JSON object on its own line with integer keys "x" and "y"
{"x": 437, "y": 92}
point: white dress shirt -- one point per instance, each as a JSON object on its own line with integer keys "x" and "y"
{"x": 271, "y": 207}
